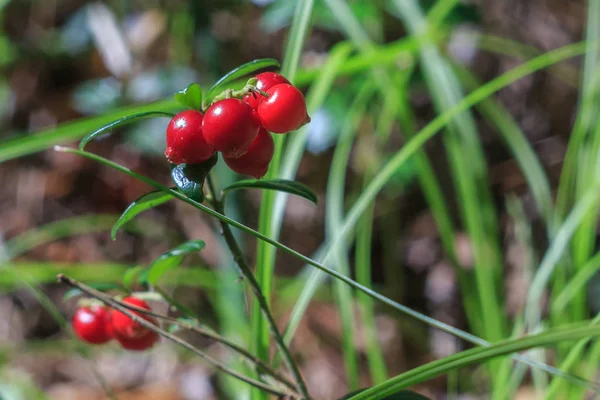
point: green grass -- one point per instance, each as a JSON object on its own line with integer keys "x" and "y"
{"x": 388, "y": 75}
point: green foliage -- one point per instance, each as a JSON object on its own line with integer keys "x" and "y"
{"x": 121, "y": 121}
{"x": 401, "y": 395}
{"x": 566, "y": 268}
{"x": 237, "y": 73}
{"x": 189, "y": 178}
{"x": 280, "y": 185}
{"x": 191, "y": 96}
{"x": 102, "y": 286}
{"x": 143, "y": 203}
{"x": 171, "y": 259}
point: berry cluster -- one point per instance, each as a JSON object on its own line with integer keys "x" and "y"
{"x": 97, "y": 325}
{"x": 239, "y": 127}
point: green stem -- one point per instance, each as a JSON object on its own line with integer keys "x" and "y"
{"x": 109, "y": 301}
{"x": 238, "y": 257}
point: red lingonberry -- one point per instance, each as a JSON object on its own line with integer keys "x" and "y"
{"x": 266, "y": 81}
{"x": 140, "y": 343}
{"x": 125, "y": 327}
{"x": 230, "y": 126}
{"x": 256, "y": 161}
{"x": 185, "y": 141}
{"x": 90, "y": 324}
{"x": 284, "y": 110}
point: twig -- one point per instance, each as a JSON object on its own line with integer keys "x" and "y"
{"x": 109, "y": 301}
{"x": 216, "y": 337}
{"x": 249, "y": 276}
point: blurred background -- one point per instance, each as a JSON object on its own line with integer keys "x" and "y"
{"x": 62, "y": 60}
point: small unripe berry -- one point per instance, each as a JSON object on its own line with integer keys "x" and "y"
{"x": 230, "y": 126}
{"x": 91, "y": 324}
{"x": 256, "y": 161}
{"x": 265, "y": 81}
{"x": 284, "y": 110}
{"x": 185, "y": 140}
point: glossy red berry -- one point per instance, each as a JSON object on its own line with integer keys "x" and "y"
{"x": 266, "y": 81}
{"x": 284, "y": 110}
{"x": 231, "y": 126}
{"x": 185, "y": 141}
{"x": 256, "y": 161}
{"x": 141, "y": 343}
{"x": 91, "y": 324}
{"x": 125, "y": 327}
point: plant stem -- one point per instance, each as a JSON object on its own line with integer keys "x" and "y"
{"x": 109, "y": 301}
{"x": 238, "y": 257}
{"x": 207, "y": 333}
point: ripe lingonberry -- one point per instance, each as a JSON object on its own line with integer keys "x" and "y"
{"x": 231, "y": 126}
{"x": 91, "y": 324}
{"x": 266, "y": 81}
{"x": 256, "y": 161}
{"x": 185, "y": 141}
{"x": 141, "y": 343}
{"x": 125, "y": 327}
{"x": 284, "y": 110}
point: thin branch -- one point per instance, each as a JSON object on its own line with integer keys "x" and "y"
{"x": 249, "y": 276}
{"x": 109, "y": 301}
{"x": 216, "y": 337}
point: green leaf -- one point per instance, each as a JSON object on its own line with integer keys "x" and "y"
{"x": 122, "y": 121}
{"x": 481, "y": 354}
{"x": 189, "y": 178}
{"x": 143, "y": 203}
{"x": 281, "y": 185}
{"x": 172, "y": 259}
{"x": 103, "y": 287}
{"x": 191, "y": 96}
{"x": 130, "y": 275}
{"x": 401, "y": 395}
{"x": 239, "y": 72}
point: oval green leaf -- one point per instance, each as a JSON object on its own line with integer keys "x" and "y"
{"x": 281, "y": 185}
{"x": 239, "y": 72}
{"x": 172, "y": 259}
{"x": 145, "y": 202}
{"x": 189, "y": 178}
{"x": 130, "y": 275}
{"x": 190, "y": 97}
{"x": 122, "y": 121}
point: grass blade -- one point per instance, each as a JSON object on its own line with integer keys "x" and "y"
{"x": 478, "y": 355}
{"x": 265, "y": 254}
{"x": 70, "y": 131}
{"x": 334, "y": 214}
{"x": 122, "y": 121}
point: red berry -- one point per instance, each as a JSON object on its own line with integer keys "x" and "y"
{"x": 125, "y": 327}
{"x": 141, "y": 343}
{"x": 256, "y": 161}
{"x": 230, "y": 126}
{"x": 284, "y": 110}
{"x": 91, "y": 324}
{"x": 266, "y": 81}
{"x": 185, "y": 141}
